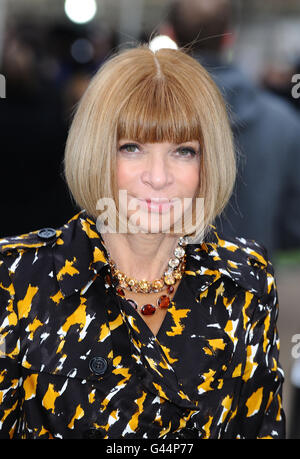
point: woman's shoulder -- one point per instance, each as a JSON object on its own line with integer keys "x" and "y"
{"x": 16, "y": 250}
{"x": 25, "y": 258}
{"x": 238, "y": 247}
{"x": 31, "y": 240}
{"x": 44, "y": 237}
{"x": 245, "y": 261}
{"x": 70, "y": 254}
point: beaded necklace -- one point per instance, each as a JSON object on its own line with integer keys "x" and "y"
{"x": 172, "y": 274}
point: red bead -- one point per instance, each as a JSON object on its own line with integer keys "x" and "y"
{"x": 108, "y": 279}
{"x": 148, "y": 309}
{"x": 170, "y": 289}
{"x": 120, "y": 292}
{"x": 163, "y": 301}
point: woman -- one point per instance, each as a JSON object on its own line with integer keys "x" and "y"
{"x": 136, "y": 319}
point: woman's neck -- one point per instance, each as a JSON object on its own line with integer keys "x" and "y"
{"x": 142, "y": 256}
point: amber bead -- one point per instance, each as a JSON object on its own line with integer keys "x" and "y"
{"x": 163, "y": 301}
{"x": 158, "y": 285}
{"x": 131, "y": 283}
{"x": 144, "y": 286}
{"x": 169, "y": 279}
{"x": 148, "y": 309}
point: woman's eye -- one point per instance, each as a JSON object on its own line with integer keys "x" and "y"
{"x": 129, "y": 147}
{"x": 186, "y": 152}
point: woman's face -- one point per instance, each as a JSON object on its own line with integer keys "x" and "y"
{"x": 155, "y": 180}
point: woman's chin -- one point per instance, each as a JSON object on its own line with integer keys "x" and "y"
{"x": 152, "y": 223}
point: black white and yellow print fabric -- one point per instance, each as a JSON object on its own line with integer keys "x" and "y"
{"x": 212, "y": 371}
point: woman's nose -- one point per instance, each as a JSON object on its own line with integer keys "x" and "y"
{"x": 157, "y": 172}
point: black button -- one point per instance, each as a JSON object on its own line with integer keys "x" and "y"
{"x": 98, "y": 365}
{"x": 47, "y": 233}
{"x": 94, "y": 434}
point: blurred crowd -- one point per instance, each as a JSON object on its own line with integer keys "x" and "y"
{"x": 47, "y": 69}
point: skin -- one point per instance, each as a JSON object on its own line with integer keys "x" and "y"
{"x": 156, "y": 172}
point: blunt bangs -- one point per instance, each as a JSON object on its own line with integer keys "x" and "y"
{"x": 159, "y": 111}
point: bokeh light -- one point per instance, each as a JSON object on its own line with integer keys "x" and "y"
{"x": 80, "y": 11}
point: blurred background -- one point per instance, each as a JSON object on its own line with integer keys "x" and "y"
{"x": 50, "y": 49}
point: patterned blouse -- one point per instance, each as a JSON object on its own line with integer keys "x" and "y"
{"x": 78, "y": 361}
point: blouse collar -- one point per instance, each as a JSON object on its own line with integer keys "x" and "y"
{"x": 80, "y": 256}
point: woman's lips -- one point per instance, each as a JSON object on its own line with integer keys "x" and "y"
{"x": 156, "y": 205}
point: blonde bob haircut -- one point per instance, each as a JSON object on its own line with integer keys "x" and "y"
{"x": 150, "y": 97}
